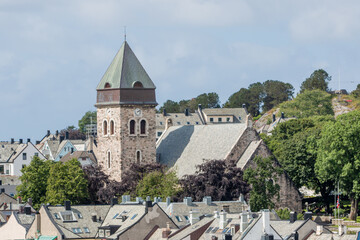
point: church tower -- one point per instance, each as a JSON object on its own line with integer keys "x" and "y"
{"x": 125, "y": 115}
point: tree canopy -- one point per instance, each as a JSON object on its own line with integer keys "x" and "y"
{"x": 263, "y": 178}
{"x": 88, "y": 118}
{"x": 338, "y": 156}
{"x": 66, "y": 182}
{"x": 158, "y": 184}
{"x": 318, "y": 80}
{"x": 220, "y": 179}
{"x": 34, "y": 181}
{"x": 308, "y": 104}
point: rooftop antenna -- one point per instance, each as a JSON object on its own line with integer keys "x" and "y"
{"x": 125, "y": 33}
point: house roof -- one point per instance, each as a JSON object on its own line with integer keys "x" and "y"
{"x": 7, "y": 150}
{"x": 83, "y": 215}
{"x": 237, "y": 112}
{"x": 249, "y": 152}
{"x": 79, "y": 155}
{"x": 24, "y": 219}
{"x": 183, "y": 147}
{"x": 5, "y": 198}
{"x": 186, "y": 231}
{"x": 124, "y": 70}
{"x": 177, "y": 119}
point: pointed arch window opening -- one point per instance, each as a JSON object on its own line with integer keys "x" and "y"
{"x": 132, "y": 127}
{"x": 105, "y": 128}
{"x": 112, "y": 127}
{"x": 143, "y": 127}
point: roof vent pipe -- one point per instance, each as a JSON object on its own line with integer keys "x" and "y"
{"x": 164, "y": 112}
{"x": 12, "y": 141}
{"x": 28, "y": 140}
{"x": 20, "y": 141}
{"x": 48, "y": 133}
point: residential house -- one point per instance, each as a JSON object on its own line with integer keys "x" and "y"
{"x": 8, "y": 205}
{"x": 86, "y": 158}
{"x": 17, "y": 225}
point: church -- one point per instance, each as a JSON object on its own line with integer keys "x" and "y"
{"x": 126, "y": 131}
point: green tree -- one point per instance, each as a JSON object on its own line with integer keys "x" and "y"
{"x": 356, "y": 92}
{"x": 67, "y": 182}
{"x": 319, "y": 80}
{"x": 263, "y": 178}
{"x": 158, "y": 184}
{"x": 339, "y": 156}
{"x": 34, "y": 181}
{"x": 170, "y": 106}
{"x": 208, "y": 100}
{"x": 88, "y": 118}
{"x": 247, "y": 97}
{"x": 308, "y": 104}
{"x": 276, "y": 92}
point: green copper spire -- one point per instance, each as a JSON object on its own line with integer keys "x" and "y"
{"x": 124, "y": 71}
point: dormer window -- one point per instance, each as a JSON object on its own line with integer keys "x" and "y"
{"x": 107, "y": 85}
{"x": 137, "y": 84}
{"x": 67, "y": 216}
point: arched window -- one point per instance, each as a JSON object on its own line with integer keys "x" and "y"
{"x": 112, "y": 131}
{"x": 107, "y": 85}
{"x": 138, "y": 156}
{"x": 137, "y": 84}
{"x": 132, "y": 127}
{"x": 105, "y": 127}
{"x": 142, "y": 127}
{"x": 109, "y": 159}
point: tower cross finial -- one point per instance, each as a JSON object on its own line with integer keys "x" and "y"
{"x": 125, "y": 33}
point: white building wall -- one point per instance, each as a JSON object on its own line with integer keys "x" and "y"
{"x": 30, "y": 151}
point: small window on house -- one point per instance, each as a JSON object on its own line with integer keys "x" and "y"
{"x": 219, "y": 119}
{"x": 77, "y": 230}
{"x": 239, "y": 118}
{"x": 228, "y": 119}
{"x": 105, "y": 128}
{"x": 179, "y": 123}
{"x": 175, "y": 115}
{"x": 109, "y": 159}
{"x": 112, "y": 131}
{"x": 132, "y": 127}
{"x": 211, "y": 119}
{"x": 24, "y": 156}
{"x": 36, "y": 154}
{"x": 86, "y": 230}
{"x": 79, "y": 215}
{"x": 101, "y": 233}
{"x": 115, "y": 216}
{"x": 1, "y": 169}
{"x": 134, "y": 216}
{"x": 226, "y": 208}
{"x": 137, "y": 84}
{"x": 107, "y": 85}
{"x": 197, "y": 123}
{"x": 138, "y": 156}
{"x": 188, "y": 123}
{"x": 161, "y": 123}
{"x": 159, "y": 134}
{"x": 186, "y": 217}
{"x": 142, "y": 127}
{"x": 107, "y": 232}
{"x": 23, "y": 166}
{"x": 178, "y": 218}
{"x": 56, "y": 216}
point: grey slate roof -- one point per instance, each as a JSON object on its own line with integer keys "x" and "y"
{"x": 177, "y": 119}
{"x": 246, "y": 156}
{"x": 82, "y": 220}
{"x": 124, "y": 70}
{"x": 25, "y": 220}
{"x": 7, "y": 150}
{"x": 238, "y": 113}
{"x": 78, "y": 155}
{"x": 183, "y": 147}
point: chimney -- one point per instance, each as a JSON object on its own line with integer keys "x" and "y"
{"x": 164, "y": 112}
{"x": 72, "y": 150}
{"x": 30, "y": 201}
{"x": 216, "y": 214}
{"x": 12, "y": 141}
{"x": 166, "y": 231}
{"x": 38, "y": 222}
{"x": 188, "y": 201}
{"x": 148, "y": 198}
{"x": 307, "y": 215}
{"x": 28, "y": 140}
{"x": 125, "y": 198}
{"x": 148, "y": 205}
{"x": 273, "y": 118}
{"x": 48, "y": 133}
{"x": 67, "y": 205}
{"x": 61, "y": 138}
{"x": 139, "y": 200}
{"x": 228, "y": 237}
{"x": 91, "y": 143}
{"x": 341, "y": 229}
{"x": 282, "y": 115}
{"x": 223, "y": 220}
{"x": 241, "y": 198}
{"x": 207, "y": 200}
{"x": 20, "y": 141}
{"x": 244, "y": 107}
{"x": 57, "y": 133}
{"x": 194, "y": 216}
{"x": 319, "y": 230}
{"x": 66, "y": 135}
{"x": 214, "y": 238}
{"x": 93, "y": 217}
{"x": 244, "y": 221}
{"x": 18, "y": 200}
{"x": 37, "y": 142}
{"x": 10, "y": 206}
{"x": 296, "y": 235}
{"x": 293, "y": 217}
{"x": 27, "y": 210}
{"x": 266, "y": 220}
{"x": 186, "y": 112}
{"x": 168, "y": 201}
{"x": 114, "y": 201}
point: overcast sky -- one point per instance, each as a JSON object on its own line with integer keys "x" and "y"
{"x": 54, "y": 53}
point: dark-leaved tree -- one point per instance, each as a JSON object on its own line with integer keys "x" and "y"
{"x": 276, "y": 92}
{"x": 88, "y": 118}
{"x": 220, "y": 179}
{"x": 319, "y": 80}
